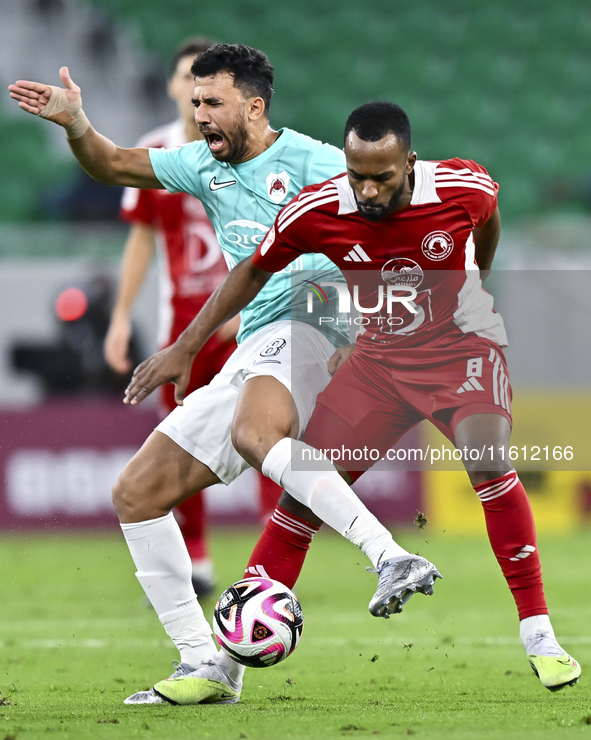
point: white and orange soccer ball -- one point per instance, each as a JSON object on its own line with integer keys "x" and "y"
{"x": 258, "y": 622}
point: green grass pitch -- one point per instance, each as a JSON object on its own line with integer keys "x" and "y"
{"x": 76, "y": 639}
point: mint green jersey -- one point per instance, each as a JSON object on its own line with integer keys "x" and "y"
{"x": 242, "y": 202}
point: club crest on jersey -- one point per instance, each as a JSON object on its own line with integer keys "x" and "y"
{"x": 403, "y": 272}
{"x": 277, "y": 186}
{"x": 437, "y": 245}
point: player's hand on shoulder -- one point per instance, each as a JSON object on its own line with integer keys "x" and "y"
{"x": 170, "y": 365}
{"x": 341, "y": 355}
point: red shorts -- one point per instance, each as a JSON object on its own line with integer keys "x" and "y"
{"x": 373, "y": 404}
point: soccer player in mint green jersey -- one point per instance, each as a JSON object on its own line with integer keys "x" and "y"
{"x": 243, "y": 173}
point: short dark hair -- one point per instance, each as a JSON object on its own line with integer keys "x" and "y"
{"x": 250, "y": 68}
{"x": 372, "y": 121}
{"x": 194, "y": 47}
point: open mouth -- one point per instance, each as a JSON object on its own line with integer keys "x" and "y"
{"x": 214, "y": 141}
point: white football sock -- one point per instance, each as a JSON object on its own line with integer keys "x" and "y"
{"x": 530, "y": 625}
{"x": 235, "y": 670}
{"x": 331, "y": 499}
{"x": 164, "y": 571}
{"x": 538, "y": 637}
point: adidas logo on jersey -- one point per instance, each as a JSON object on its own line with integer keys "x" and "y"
{"x": 471, "y": 384}
{"x": 357, "y": 255}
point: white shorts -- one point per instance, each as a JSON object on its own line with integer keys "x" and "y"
{"x": 291, "y": 351}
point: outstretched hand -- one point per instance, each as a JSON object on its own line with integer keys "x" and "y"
{"x": 54, "y": 103}
{"x": 170, "y": 365}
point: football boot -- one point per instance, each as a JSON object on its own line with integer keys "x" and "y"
{"x": 398, "y": 579}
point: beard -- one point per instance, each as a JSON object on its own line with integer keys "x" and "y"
{"x": 237, "y": 140}
{"x": 379, "y": 211}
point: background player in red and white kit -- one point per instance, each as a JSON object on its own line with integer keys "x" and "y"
{"x": 191, "y": 266}
{"x": 418, "y": 233}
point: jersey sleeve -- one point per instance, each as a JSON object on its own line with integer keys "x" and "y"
{"x": 327, "y": 162}
{"x": 137, "y": 207}
{"x": 177, "y": 169}
{"x": 472, "y": 185}
{"x": 286, "y": 240}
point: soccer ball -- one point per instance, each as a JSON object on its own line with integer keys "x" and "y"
{"x": 258, "y": 622}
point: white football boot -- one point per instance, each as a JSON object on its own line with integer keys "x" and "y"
{"x": 398, "y": 579}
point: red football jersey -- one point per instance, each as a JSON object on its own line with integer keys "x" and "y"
{"x": 192, "y": 265}
{"x": 412, "y": 275}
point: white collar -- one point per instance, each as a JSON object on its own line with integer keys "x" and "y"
{"x": 424, "y": 190}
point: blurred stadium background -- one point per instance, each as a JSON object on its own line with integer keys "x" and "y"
{"x": 507, "y": 84}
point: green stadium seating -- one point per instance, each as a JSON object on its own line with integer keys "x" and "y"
{"x": 505, "y": 83}
{"x": 29, "y": 165}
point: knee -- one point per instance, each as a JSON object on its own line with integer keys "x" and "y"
{"x": 124, "y": 497}
{"x": 250, "y": 444}
{"x": 253, "y": 443}
{"x": 130, "y": 495}
{"x": 478, "y": 476}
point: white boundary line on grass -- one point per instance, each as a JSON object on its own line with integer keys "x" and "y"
{"x": 93, "y": 643}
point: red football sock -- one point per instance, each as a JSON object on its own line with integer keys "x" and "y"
{"x": 192, "y": 524}
{"x": 269, "y": 493}
{"x": 282, "y": 547}
{"x": 512, "y": 535}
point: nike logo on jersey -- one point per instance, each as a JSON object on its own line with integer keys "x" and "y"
{"x": 357, "y": 255}
{"x": 213, "y": 185}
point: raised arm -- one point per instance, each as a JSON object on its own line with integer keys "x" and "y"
{"x": 486, "y": 238}
{"x": 100, "y": 157}
{"x": 173, "y": 364}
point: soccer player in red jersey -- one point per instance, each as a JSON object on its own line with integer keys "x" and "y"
{"x": 419, "y": 233}
{"x": 191, "y": 268}
{"x": 411, "y": 238}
